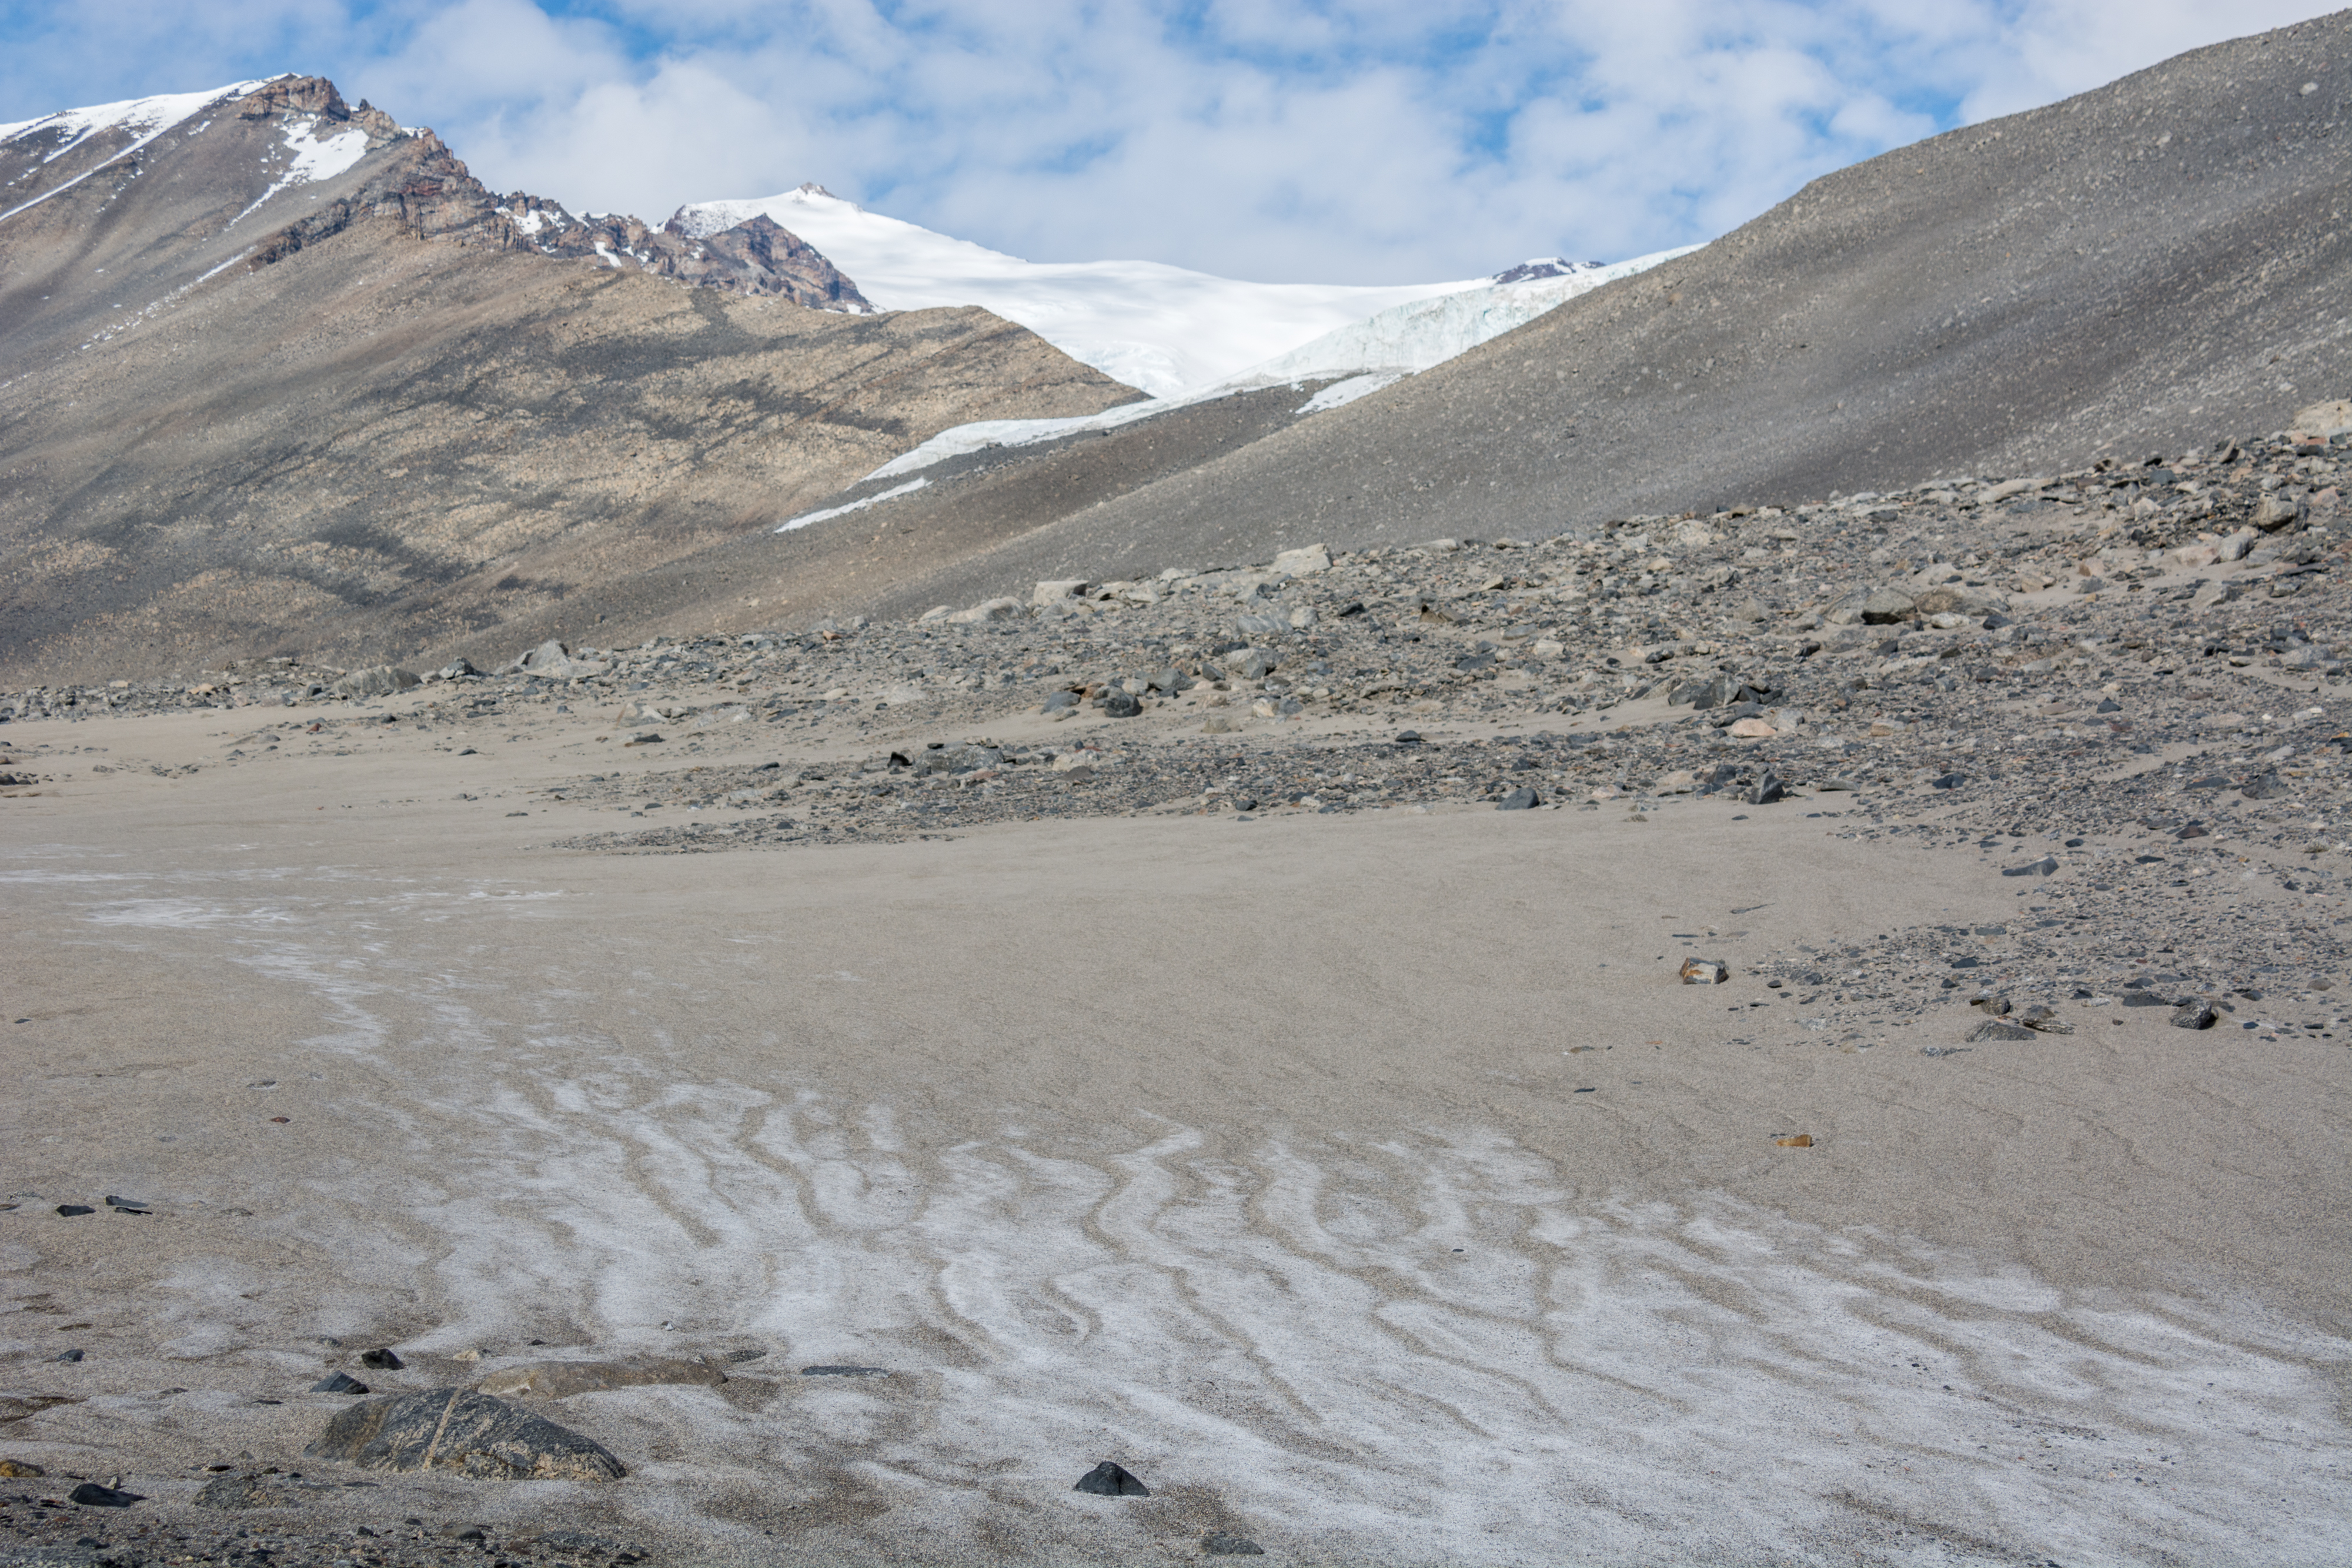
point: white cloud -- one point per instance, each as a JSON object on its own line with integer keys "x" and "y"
{"x": 1376, "y": 142}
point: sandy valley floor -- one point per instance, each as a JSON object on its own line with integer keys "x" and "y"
{"x": 1365, "y": 1184}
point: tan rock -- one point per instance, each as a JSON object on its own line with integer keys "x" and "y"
{"x": 2331, "y": 418}
{"x": 562, "y": 1379}
{"x": 1752, "y": 730}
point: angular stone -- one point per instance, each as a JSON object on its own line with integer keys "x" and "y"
{"x": 552, "y": 661}
{"x": 562, "y": 1379}
{"x": 1871, "y": 607}
{"x": 2275, "y": 511}
{"x": 338, "y": 1383}
{"x": 1703, "y": 972}
{"x": 1768, "y": 790}
{"x": 1522, "y": 799}
{"x": 1059, "y": 588}
{"x": 2046, "y": 866}
{"x": 1303, "y": 561}
{"x": 1117, "y": 703}
{"x": 2138, "y": 997}
{"x": 1108, "y": 1479}
{"x": 1995, "y": 1029}
{"x": 1226, "y": 1543}
{"x": 2195, "y": 1014}
{"x": 460, "y": 1430}
{"x": 90, "y": 1494}
{"x": 382, "y": 1359}
{"x": 1251, "y": 663}
{"x": 377, "y": 681}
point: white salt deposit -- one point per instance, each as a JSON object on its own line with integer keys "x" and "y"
{"x": 1418, "y": 1348}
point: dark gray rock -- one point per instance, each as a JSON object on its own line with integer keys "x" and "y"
{"x": 458, "y": 1429}
{"x": 2194, "y": 1014}
{"x": 381, "y": 1359}
{"x": 1117, "y": 703}
{"x": 2137, "y": 997}
{"x": 70, "y": 1209}
{"x": 1948, "y": 782}
{"x": 1768, "y": 790}
{"x": 2046, "y": 866}
{"x": 69, "y": 1356}
{"x": 1522, "y": 799}
{"x": 1110, "y": 1480}
{"x": 338, "y": 1383}
{"x": 1250, "y": 664}
{"x": 1996, "y": 1028}
{"x": 90, "y": 1494}
{"x": 1226, "y": 1543}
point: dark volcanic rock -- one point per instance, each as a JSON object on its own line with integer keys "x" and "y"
{"x": 459, "y": 1429}
{"x": 1110, "y": 1480}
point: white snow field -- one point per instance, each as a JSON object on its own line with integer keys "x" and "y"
{"x": 1359, "y": 359}
{"x": 1161, "y": 330}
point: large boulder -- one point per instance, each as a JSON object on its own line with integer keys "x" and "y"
{"x": 964, "y": 758}
{"x": 1871, "y": 607}
{"x": 377, "y": 681}
{"x": 459, "y": 1429}
{"x": 1959, "y": 598}
{"x": 552, "y": 661}
{"x": 562, "y": 1379}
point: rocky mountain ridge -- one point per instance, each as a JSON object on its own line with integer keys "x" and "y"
{"x": 274, "y": 369}
{"x": 426, "y": 187}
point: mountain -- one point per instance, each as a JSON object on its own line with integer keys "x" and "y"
{"x": 277, "y": 374}
{"x": 2138, "y": 269}
{"x": 297, "y": 134}
{"x": 1162, "y": 329}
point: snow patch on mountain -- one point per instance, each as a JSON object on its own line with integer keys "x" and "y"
{"x": 1410, "y": 338}
{"x": 146, "y": 119}
{"x": 1361, "y": 358}
{"x": 140, "y": 116}
{"x": 311, "y": 157}
{"x": 805, "y": 519}
{"x": 1159, "y": 328}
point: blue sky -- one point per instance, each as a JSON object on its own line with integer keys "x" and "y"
{"x": 1387, "y": 140}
